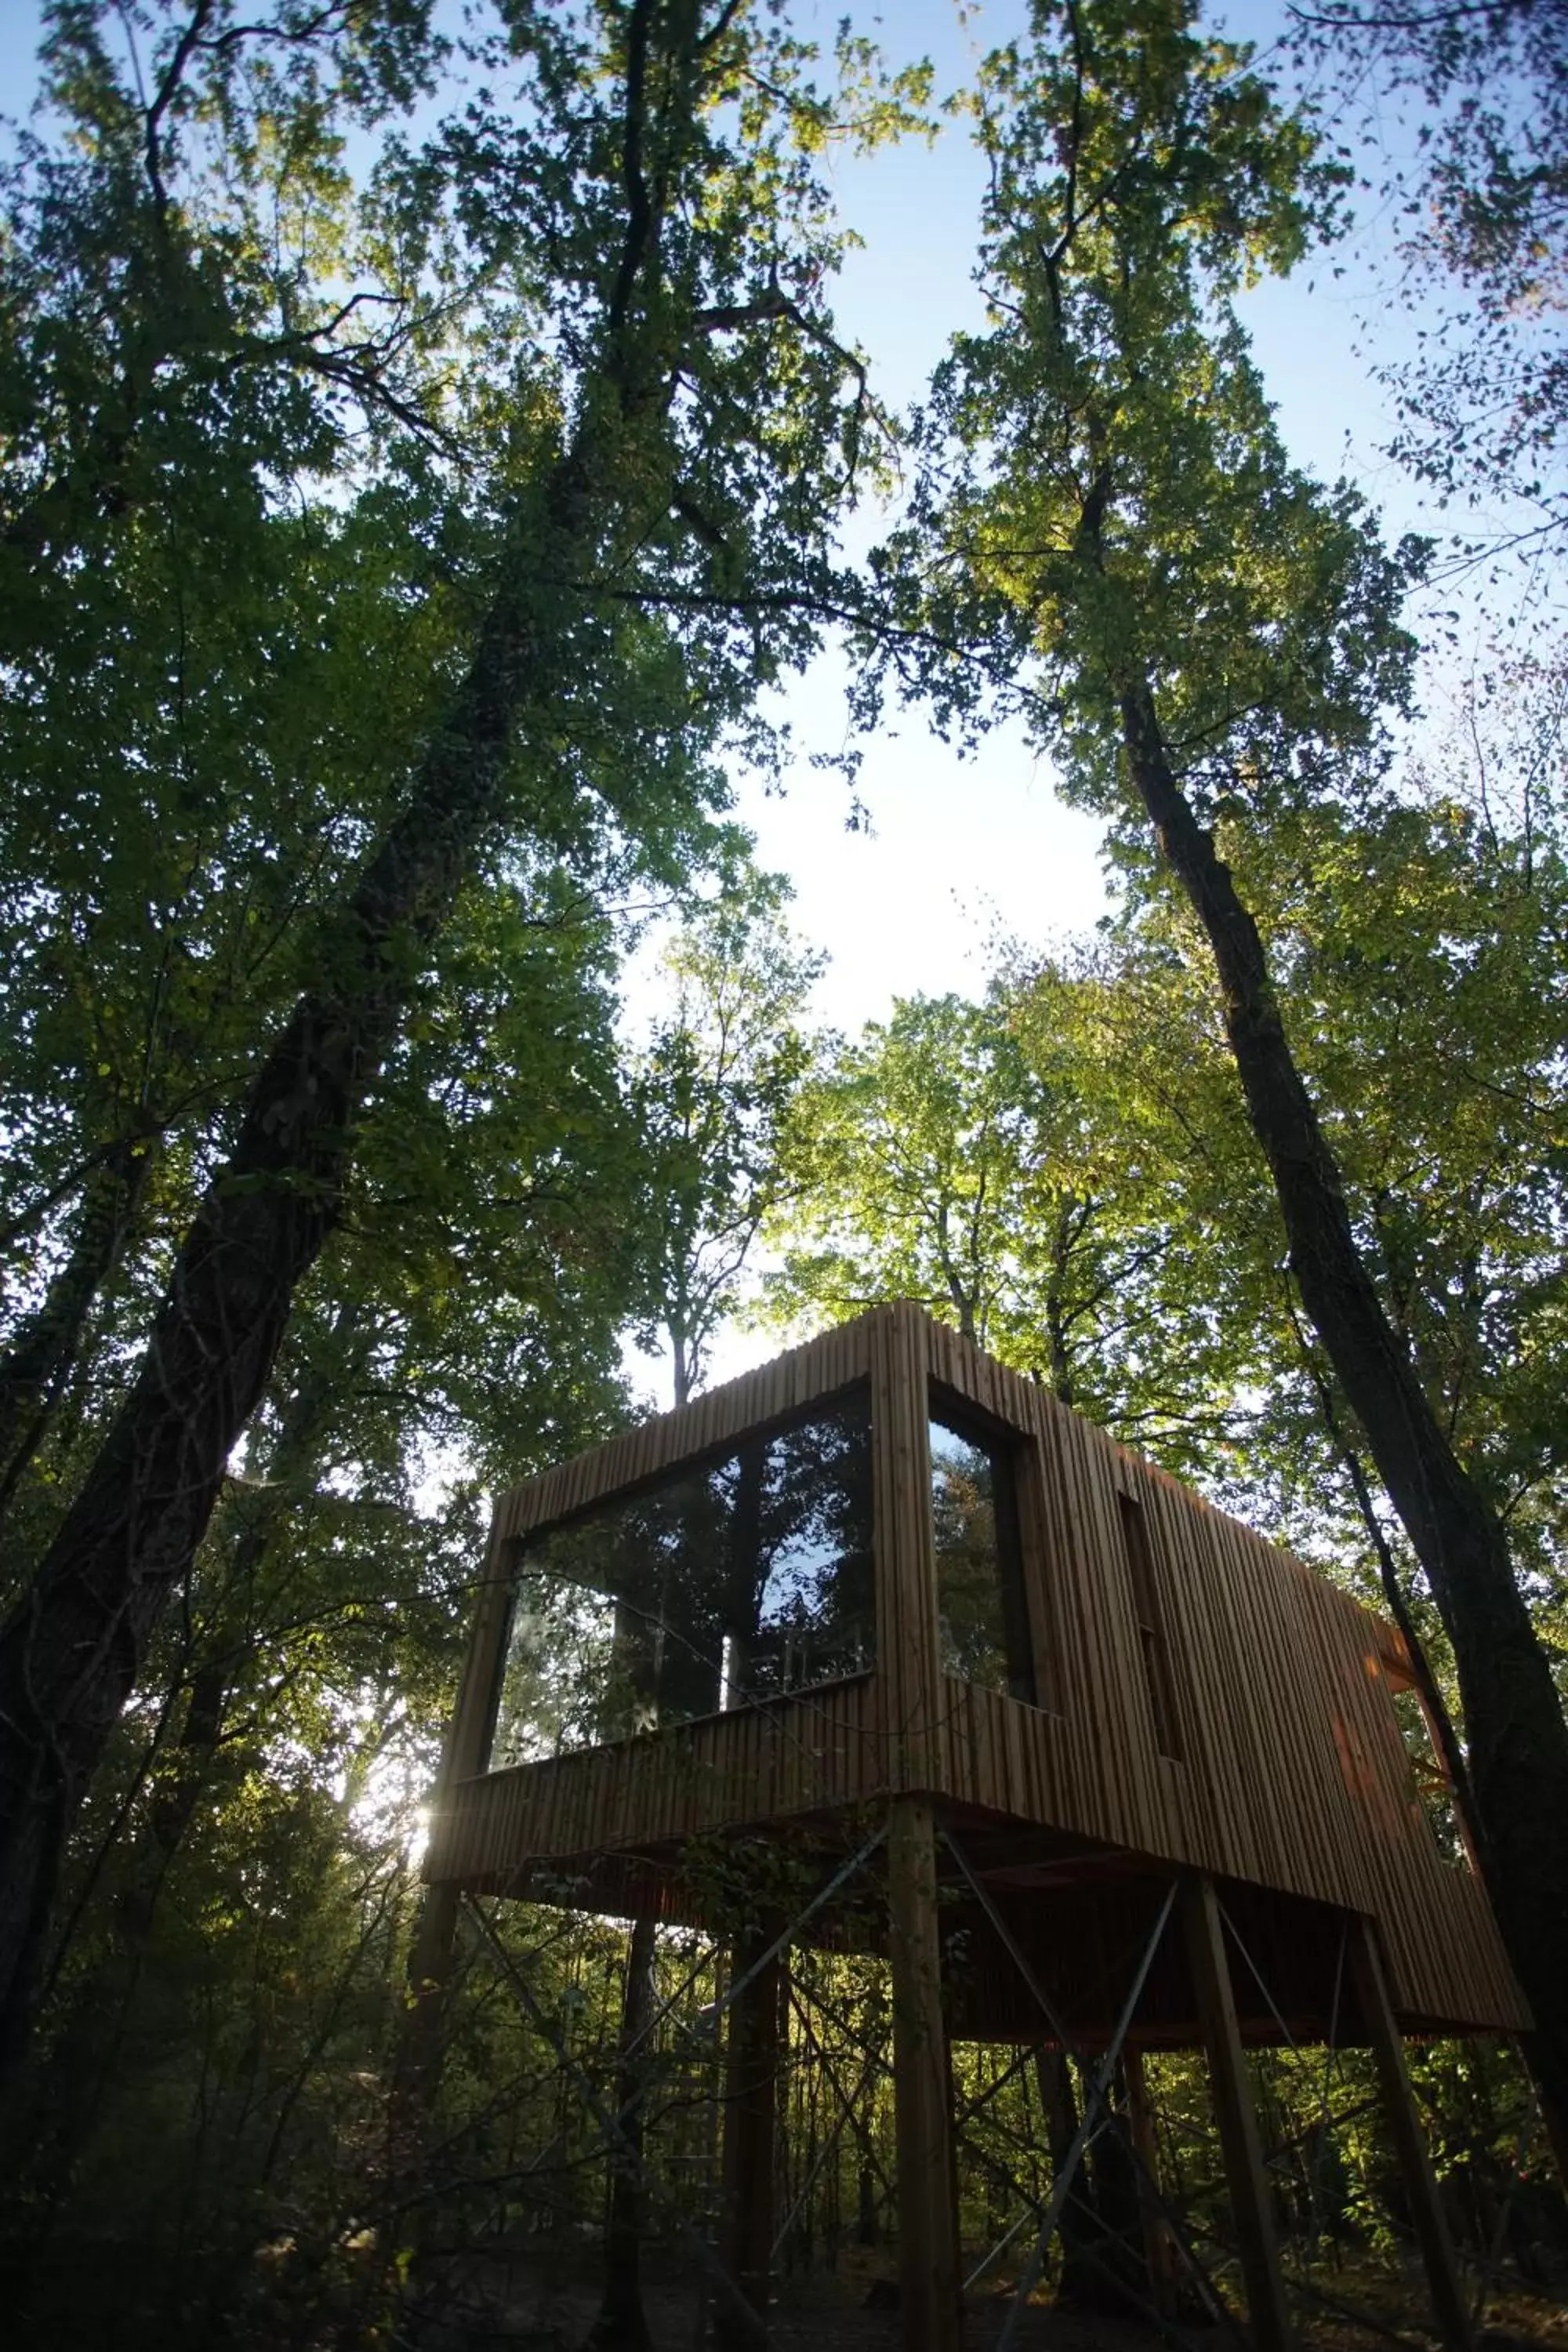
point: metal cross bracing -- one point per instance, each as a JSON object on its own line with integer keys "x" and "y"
{"x": 584, "y": 2134}
{"x": 833, "y": 2073}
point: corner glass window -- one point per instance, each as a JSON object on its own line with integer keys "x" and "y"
{"x": 724, "y": 1585}
{"x": 984, "y": 1623}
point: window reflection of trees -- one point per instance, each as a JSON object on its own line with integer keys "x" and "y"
{"x": 729, "y": 1584}
{"x": 980, "y": 1602}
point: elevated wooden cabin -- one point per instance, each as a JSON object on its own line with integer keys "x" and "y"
{"x": 883, "y": 1579}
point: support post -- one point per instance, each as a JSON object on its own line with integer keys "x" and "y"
{"x": 1449, "y": 2306}
{"x": 1159, "y": 2242}
{"x": 927, "y": 2214}
{"x": 1236, "y": 2117}
{"x": 751, "y": 2100}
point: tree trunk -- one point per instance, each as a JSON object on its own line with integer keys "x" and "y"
{"x": 81, "y": 2062}
{"x": 44, "y": 1350}
{"x": 1516, "y": 1738}
{"x": 1080, "y": 2223}
{"x": 1123, "y": 2271}
{"x": 622, "y": 2323}
{"x": 293, "y": 1463}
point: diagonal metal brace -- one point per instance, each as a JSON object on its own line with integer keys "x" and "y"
{"x": 1094, "y": 2100}
{"x": 825, "y": 1894}
{"x": 1011, "y": 1946}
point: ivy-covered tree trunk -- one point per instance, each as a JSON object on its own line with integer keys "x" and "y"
{"x": 249, "y": 1525}
{"x": 1514, "y": 1724}
{"x": 70, "y": 1650}
{"x": 649, "y": 202}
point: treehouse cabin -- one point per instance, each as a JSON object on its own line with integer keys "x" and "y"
{"x": 1125, "y": 1774}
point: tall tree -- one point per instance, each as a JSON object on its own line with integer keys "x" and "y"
{"x": 1216, "y": 639}
{"x": 194, "y": 758}
{"x": 977, "y": 1157}
{"x": 649, "y": 193}
{"x": 465, "y": 1319}
{"x": 712, "y": 1089}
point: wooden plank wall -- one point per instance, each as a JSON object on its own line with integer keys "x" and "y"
{"x": 823, "y": 1750}
{"x": 907, "y": 1672}
{"x": 1292, "y": 1773}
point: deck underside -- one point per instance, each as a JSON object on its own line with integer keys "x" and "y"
{"x": 1043, "y": 1933}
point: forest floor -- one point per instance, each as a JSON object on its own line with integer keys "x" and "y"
{"x": 533, "y": 2305}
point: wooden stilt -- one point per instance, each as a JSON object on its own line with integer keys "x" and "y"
{"x": 751, "y": 2100}
{"x": 1449, "y": 2305}
{"x": 927, "y": 2218}
{"x": 1159, "y": 2242}
{"x": 1235, "y": 2116}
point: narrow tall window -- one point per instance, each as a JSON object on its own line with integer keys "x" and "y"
{"x": 985, "y": 1623}
{"x": 1150, "y": 1629}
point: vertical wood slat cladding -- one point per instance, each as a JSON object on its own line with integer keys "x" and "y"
{"x": 1293, "y": 1773}
{"x": 1296, "y": 1775}
{"x": 823, "y": 1751}
{"x": 908, "y": 1675}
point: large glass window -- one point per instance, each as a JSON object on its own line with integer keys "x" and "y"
{"x": 734, "y": 1582}
{"x": 984, "y": 1621}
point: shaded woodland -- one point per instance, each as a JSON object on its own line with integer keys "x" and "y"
{"x": 428, "y": 450}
